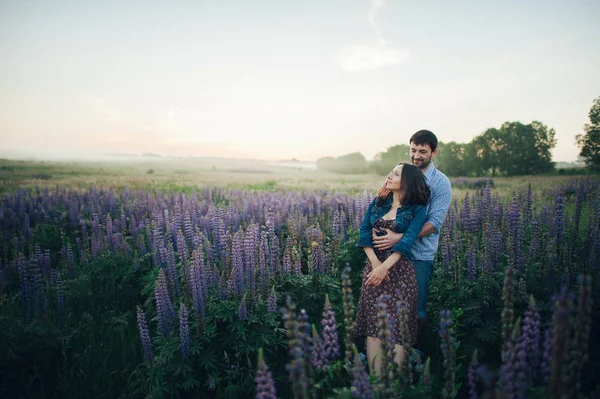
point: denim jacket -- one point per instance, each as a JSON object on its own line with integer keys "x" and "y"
{"x": 409, "y": 221}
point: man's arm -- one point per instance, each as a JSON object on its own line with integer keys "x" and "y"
{"x": 426, "y": 230}
{"x": 390, "y": 239}
{"x": 438, "y": 207}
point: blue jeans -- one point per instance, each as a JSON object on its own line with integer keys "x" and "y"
{"x": 423, "y": 270}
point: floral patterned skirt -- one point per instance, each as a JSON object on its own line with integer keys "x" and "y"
{"x": 401, "y": 287}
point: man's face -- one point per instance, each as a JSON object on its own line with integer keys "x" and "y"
{"x": 421, "y": 155}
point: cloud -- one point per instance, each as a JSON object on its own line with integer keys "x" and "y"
{"x": 367, "y": 57}
{"x": 363, "y": 57}
{"x": 372, "y": 13}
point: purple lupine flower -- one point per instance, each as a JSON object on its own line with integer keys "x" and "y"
{"x": 26, "y": 298}
{"x": 360, "y": 379}
{"x": 472, "y": 376}
{"x": 198, "y": 283}
{"x": 70, "y": 260}
{"x": 447, "y": 249}
{"x": 182, "y": 249}
{"x": 242, "y": 309}
{"x": 287, "y": 257}
{"x": 580, "y": 337}
{"x": 319, "y": 361}
{"x": 384, "y": 332}
{"x": 515, "y": 235}
{"x": 188, "y": 230}
{"x": 164, "y": 306}
{"x": 172, "y": 273}
{"x": 184, "y": 333}
{"x": 535, "y": 239}
{"x": 559, "y": 219}
{"x": 38, "y": 304}
{"x": 335, "y": 224}
{"x": 530, "y": 339}
{"x": 331, "y": 346}
{"x": 448, "y": 346}
{"x": 578, "y": 209}
{"x": 46, "y": 263}
{"x": 251, "y": 239}
{"x": 528, "y": 209}
{"x": 60, "y": 300}
{"x": 274, "y": 263}
{"x": 263, "y": 265}
{"x": 496, "y": 244}
{"x": 546, "y": 361}
{"x": 304, "y": 336}
{"x": 144, "y": 335}
{"x": 296, "y": 365}
{"x": 348, "y": 313}
{"x": 265, "y": 386}
{"x": 272, "y": 302}
{"x": 472, "y": 262}
{"x": 510, "y": 364}
{"x": 237, "y": 265}
{"x": 521, "y": 365}
{"x": 465, "y": 213}
{"x": 316, "y": 258}
{"x": 508, "y": 311}
{"x": 343, "y": 227}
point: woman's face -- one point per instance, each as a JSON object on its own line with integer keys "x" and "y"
{"x": 394, "y": 179}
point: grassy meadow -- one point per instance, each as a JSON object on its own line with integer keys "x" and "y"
{"x": 185, "y": 174}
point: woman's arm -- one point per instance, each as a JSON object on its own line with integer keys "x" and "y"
{"x": 380, "y": 273}
{"x": 372, "y": 257}
{"x": 412, "y": 232}
{"x": 364, "y": 237}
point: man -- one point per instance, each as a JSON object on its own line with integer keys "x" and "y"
{"x": 423, "y": 148}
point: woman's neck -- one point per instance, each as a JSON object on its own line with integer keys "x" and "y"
{"x": 396, "y": 198}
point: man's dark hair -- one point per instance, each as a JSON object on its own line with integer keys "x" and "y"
{"x": 423, "y": 137}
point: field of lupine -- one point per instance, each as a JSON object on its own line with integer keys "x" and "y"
{"x": 218, "y": 292}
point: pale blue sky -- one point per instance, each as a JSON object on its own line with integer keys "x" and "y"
{"x": 282, "y": 79}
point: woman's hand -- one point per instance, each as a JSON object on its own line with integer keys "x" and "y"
{"x": 377, "y": 275}
{"x": 375, "y": 263}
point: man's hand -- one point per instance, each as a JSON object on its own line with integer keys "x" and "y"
{"x": 386, "y": 241}
{"x": 376, "y": 276}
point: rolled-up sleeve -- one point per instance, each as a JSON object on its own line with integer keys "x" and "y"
{"x": 440, "y": 202}
{"x": 365, "y": 237}
{"x": 412, "y": 232}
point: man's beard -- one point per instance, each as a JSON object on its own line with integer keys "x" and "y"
{"x": 423, "y": 164}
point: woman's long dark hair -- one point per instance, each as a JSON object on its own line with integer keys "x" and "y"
{"x": 412, "y": 186}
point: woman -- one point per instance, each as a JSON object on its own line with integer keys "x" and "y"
{"x": 400, "y": 205}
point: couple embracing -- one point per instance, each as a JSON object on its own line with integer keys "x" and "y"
{"x": 400, "y": 235}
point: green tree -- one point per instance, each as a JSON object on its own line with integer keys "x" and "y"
{"x": 589, "y": 142}
{"x": 345, "y": 164}
{"x": 385, "y": 161}
{"x": 489, "y": 148}
{"x": 451, "y": 158}
{"x": 515, "y": 149}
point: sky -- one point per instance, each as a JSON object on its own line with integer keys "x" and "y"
{"x": 286, "y": 79}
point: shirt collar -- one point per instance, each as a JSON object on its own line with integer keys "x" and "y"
{"x": 430, "y": 171}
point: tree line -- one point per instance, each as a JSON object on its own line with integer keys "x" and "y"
{"x": 512, "y": 149}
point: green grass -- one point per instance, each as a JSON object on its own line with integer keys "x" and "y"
{"x": 187, "y": 174}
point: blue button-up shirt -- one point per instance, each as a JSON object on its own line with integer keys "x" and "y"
{"x": 409, "y": 221}
{"x": 425, "y": 248}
